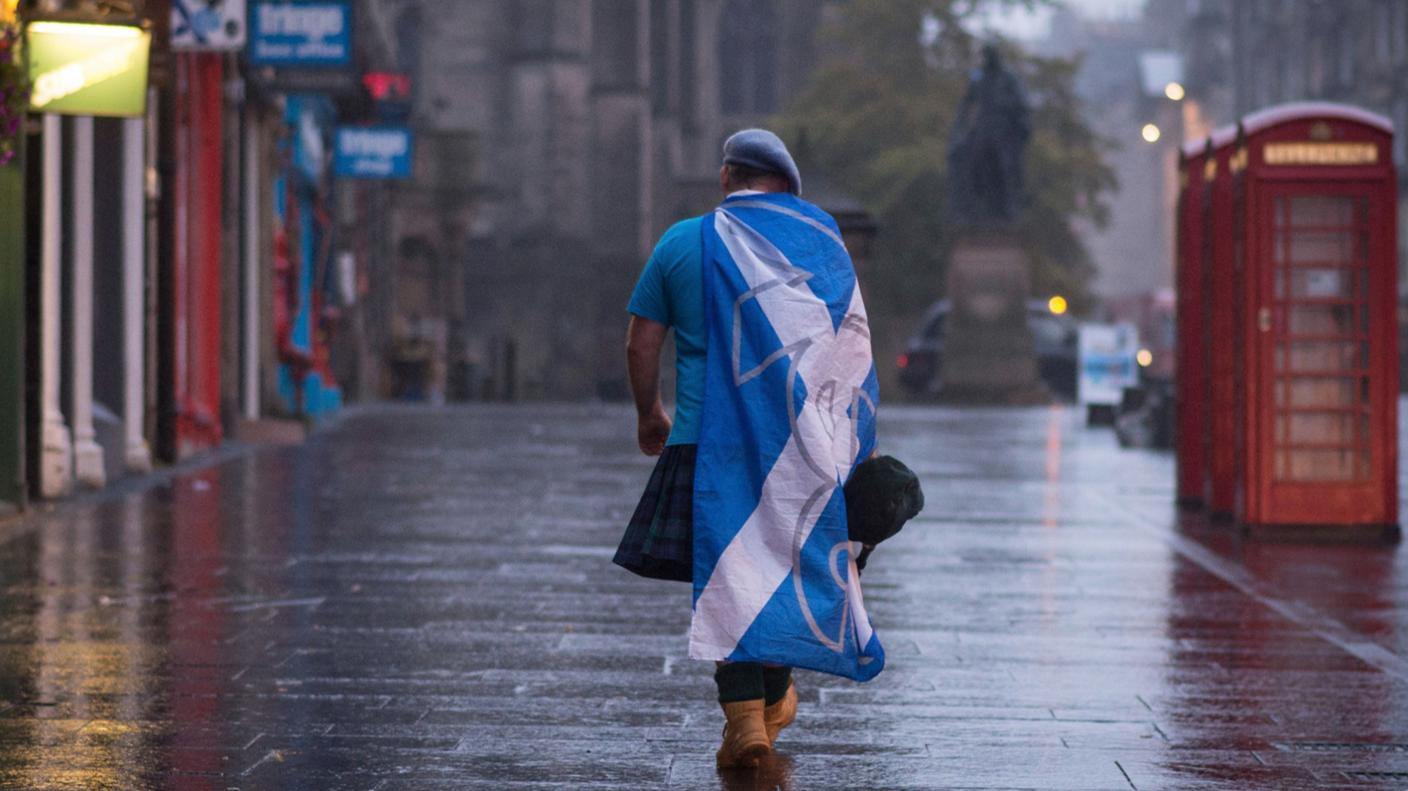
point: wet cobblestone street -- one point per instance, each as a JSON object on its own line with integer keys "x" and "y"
{"x": 424, "y": 599}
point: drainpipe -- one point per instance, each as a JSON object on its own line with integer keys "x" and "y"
{"x": 87, "y": 453}
{"x": 251, "y": 264}
{"x": 55, "y": 455}
{"x": 134, "y": 263}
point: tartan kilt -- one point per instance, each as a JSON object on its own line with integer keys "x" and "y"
{"x": 659, "y": 540}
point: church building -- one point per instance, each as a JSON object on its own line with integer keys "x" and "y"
{"x": 557, "y": 140}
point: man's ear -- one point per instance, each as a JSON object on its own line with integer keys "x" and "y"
{"x": 723, "y": 178}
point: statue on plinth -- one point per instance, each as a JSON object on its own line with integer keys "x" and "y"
{"x": 989, "y": 356}
{"x": 986, "y": 146}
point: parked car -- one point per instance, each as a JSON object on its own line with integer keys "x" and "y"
{"x": 1145, "y": 418}
{"x": 1056, "y": 336}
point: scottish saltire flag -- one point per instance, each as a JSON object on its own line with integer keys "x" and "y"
{"x": 789, "y": 410}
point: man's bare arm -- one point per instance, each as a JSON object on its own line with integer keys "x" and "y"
{"x": 644, "y": 340}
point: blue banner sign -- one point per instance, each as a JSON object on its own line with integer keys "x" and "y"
{"x": 375, "y": 152}
{"x": 1109, "y": 362}
{"x": 300, "y": 34}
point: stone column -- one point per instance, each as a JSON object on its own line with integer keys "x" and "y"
{"x": 87, "y": 453}
{"x": 55, "y": 455}
{"x": 134, "y": 261}
{"x": 621, "y": 157}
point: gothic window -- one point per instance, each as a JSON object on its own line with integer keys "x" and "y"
{"x": 687, "y": 73}
{"x": 408, "y": 42}
{"x": 1400, "y": 31}
{"x": 1347, "y": 53}
{"x": 748, "y": 53}
{"x": 1383, "y": 32}
{"x": 1317, "y": 68}
{"x": 532, "y": 22}
{"x": 615, "y": 37}
{"x": 1295, "y": 78}
{"x": 660, "y": 56}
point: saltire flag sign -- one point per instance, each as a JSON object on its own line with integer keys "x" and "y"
{"x": 209, "y": 25}
{"x": 789, "y": 410}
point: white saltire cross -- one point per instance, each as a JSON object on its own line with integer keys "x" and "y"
{"x": 833, "y": 363}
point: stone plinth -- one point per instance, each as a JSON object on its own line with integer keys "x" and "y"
{"x": 989, "y": 356}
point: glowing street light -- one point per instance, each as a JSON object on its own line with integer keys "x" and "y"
{"x": 1145, "y": 358}
{"x": 1151, "y": 133}
{"x": 1174, "y": 91}
{"x": 1057, "y": 305}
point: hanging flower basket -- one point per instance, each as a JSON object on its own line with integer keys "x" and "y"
{"x": 14, "y": 90}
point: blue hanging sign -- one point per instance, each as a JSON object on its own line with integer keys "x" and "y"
{"x": 283, "y": 33}
{"x": 373, "y": 152}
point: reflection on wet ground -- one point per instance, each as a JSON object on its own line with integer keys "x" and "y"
{"x": 423, "y": 599}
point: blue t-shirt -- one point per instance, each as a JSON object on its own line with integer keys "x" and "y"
{"x": 671, "y": 292}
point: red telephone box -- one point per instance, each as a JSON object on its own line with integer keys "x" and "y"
{"x": 1316, "y": 346}
{"x": 1218, "y": 304}
{"x": 1188, "y": 384}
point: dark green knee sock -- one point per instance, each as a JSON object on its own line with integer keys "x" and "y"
{"x": 739, "y": 681}
{"x": 775, "y": 681}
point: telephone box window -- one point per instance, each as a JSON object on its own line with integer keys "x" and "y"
{"x": 1320, "y": 440}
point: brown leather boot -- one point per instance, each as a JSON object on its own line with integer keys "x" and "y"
{"x": 745, "y": 735}
{"x": 780, "y": 714}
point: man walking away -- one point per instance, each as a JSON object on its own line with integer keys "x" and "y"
{"x": 775, "y": 404}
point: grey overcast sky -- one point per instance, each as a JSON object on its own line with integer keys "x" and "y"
{"x": 1025, "y": 25}
{"x": 1107, "y": 7}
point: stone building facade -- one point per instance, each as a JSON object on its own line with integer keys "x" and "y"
{"x": 1245, "y": 55}
{"x": 1133, "y": 253}
{"x": 559, "y": 139}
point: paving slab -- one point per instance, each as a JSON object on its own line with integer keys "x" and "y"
{"x": 422, "y": 598}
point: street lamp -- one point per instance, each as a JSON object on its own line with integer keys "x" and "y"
{"x": 1151, "y": 133}
{"x": 1174, "y": 91}
{"x": 1057, "y": 305}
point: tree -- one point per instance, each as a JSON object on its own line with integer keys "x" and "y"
{"x": 877, "y": 116}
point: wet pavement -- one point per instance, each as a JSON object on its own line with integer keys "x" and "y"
{"x": 424, "y": 599}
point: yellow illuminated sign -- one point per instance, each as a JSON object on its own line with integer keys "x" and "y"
{"x": 1320, "y": 154}
{"x": 83, "y": 69}
{"x": 78, "y": 29}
